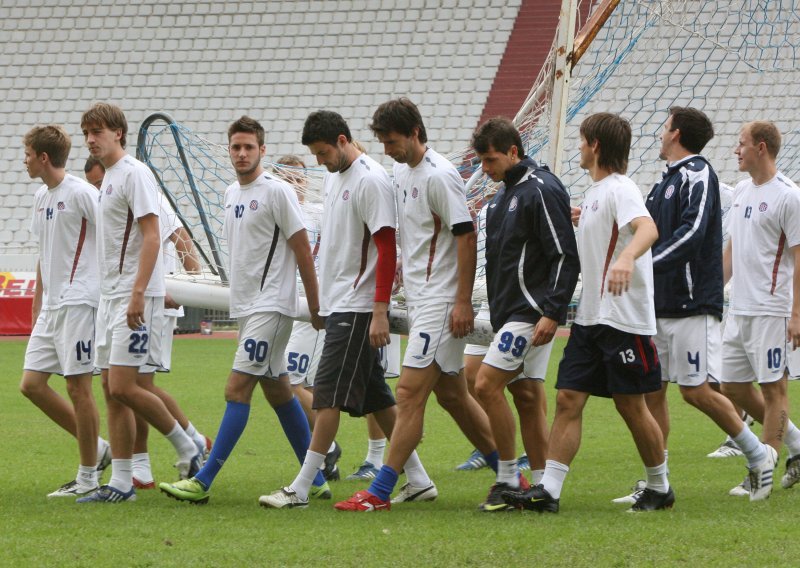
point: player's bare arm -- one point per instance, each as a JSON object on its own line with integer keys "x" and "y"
{"x": 151, "y": 244}
{"x": 575, "y": 215}
{"x": 793, "y": 330}
{"x": 305, "y": 264}
{"x": 621, "y": 272}
{"x": 36, "y": 306}
{"x": 462, "y": 320}
{"x": 727, "y": 262}
{"x": 187, "y": 254}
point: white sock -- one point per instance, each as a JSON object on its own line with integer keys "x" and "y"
{"x": 657, "y": 478}
{"x": 198, "y": 439}
{"x": 101, "y": 447}
{"x": 141, "y": 468}
{"x": 536, "y": 476}
{"x": 182, "y": 443}
{"x": 121, "y": 475}
{"x": 792, "y": 439}
{"x": 415, "y": 472}
{"x": 553, "y": 479}
{"x": 87, "y": 476}
{"x": 751, "y": 446}
{"x": 375, "y": 453}
{"x": 508, "y": 472}
{"x": 311, "y": 465}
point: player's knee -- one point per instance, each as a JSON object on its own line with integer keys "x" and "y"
{"x": 78, "y": 391}
{"x": 29, "y": 389}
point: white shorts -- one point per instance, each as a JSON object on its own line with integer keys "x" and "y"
{"x": 754, "y": 348}
{"x": 62, "y": 342}
{"x": 262, "y": 343}
{"x": 118, "y": 345}
{"x": 302, "y": 354}
{"x": 390, "y": 357}
{"x": 168, "y": 330}
{"x": 473, "y": 350}
{"x": 690, "y": 349}
{"x": 430, "y": 339}
{"x": 511, "y": 350}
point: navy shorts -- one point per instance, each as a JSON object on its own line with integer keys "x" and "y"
{"x": 604, "y": 361}
{"x": 350, "y": 374}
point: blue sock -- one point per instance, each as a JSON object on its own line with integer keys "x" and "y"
{"x": 383, "y": 484}
{"x": 230, "y": 429}
{"x": 295, "y": 426}
{"x": 491, "y": 460}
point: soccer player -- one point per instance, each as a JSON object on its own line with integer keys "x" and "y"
{"x": 437, "y": 246}
{"x": 267, "y": 245}
{"x": 609, "y": 352}
{"x": 357, "y": 266}
{"x": 687, "y": 274}
{"x": 763, "y": 326}
{"x": 131, "y": 305}
{"x": 65, "y": 302}
{"x": 531, "y": 273}
{"x": 176, "y": 245}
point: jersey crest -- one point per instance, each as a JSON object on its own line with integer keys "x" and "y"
{"x": 669, "y": 192}
{"x": 254, "y": 205}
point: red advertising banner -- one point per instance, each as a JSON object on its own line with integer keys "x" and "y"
{"x": 16, "y": 299}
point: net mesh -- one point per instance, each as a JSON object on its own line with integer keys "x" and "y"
{"x": 736, "y": 60}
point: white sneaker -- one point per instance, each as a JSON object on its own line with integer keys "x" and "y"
{"x": 283, "y": 498}
{"x": 728, "y": 449}
{"x": 188, "y": 469}
{"x": 761, "y": 475}
{"x": 633, "y": 497}
{"x": 410, "y": 493}
{"x": 72, "y": 489}
{"x": 792, "y": 474}
{"x": 741, "y": 490}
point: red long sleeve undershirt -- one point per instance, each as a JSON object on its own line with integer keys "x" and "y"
{"x": 387, "y": 263}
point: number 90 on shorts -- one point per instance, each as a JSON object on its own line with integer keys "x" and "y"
{"x": 262, "y": 342}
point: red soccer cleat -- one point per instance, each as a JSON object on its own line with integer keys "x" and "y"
{"x": 363, "y": 501}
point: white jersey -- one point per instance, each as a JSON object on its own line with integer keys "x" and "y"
{"x": 431, "y": 199}
{"x": 64, "y": 221}
{"x": 603, "y": 232}
{"x": 168, "y": 223}
{"x": 765, "y": 225}
{"x": 129, "y": 192}
{"x": 260, "y": 217}
{"x": 358, "y": 203}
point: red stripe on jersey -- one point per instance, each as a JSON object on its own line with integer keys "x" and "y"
{"x": 437, "y": 227}
{"x": 612, "y": 244}
{"x": 642, "y": 354}
{"x": 777, "y": 265}
{"x": 128, "y": 226}
{"x": 364, "y": 251}
{"x": 78, "y": 249}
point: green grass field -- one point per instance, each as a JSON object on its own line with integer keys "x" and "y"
{"x": 706, "y": 527}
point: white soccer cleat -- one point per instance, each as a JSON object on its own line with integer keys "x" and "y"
{"x": 283, "y": 498}
{"x": 632, "y": 497}
{"x": 410, "y": 493}
{"x": 72, "y": 489}
{"x": 728, "y": 449}
{"x": 792, "y": 474}
{"x": 761, "y": 475}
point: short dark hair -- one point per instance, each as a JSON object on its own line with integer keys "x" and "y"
{"x": 768, "y": 133}
{"x": 499, "y": 133}
{"x": 52, "y": 140}
{"x": 249, "y": 126}
{"x": 92, "y": 162}
{"x": 325, "y": 126}
{"x": 398, "y": 115}
{"x": 613, "y": 133}
{"x": 108, "y": 116}
{"x": 694, "y": 126}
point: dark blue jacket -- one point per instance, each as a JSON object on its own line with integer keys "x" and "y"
{"x": 531, "y": 257}
{"x": 687, "y": 257}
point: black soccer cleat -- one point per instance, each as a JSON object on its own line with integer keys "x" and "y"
{"x": 651, "y": 500}
{"x": 534, "y": 499}
{"x": 331, "y": 471}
